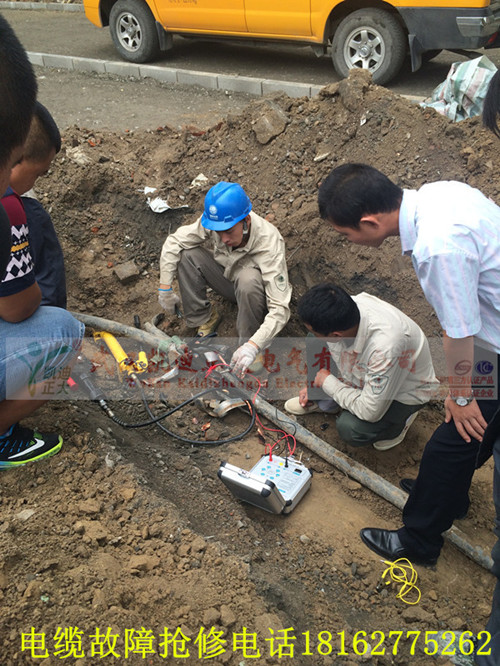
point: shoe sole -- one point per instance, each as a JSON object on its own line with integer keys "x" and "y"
{"x": 4, "y": 464}
{"x": 385, "y": 445}
{"x": 304, "y": 412}
{"x": 213, "y": 329}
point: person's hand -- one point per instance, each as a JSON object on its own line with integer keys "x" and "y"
{"x": 303, "y": 399}
{"x": 320, "y": 377}
{"x": 168, "y": 299}
{"x": 468, "y": 420}
{"x": 242, "y": 358}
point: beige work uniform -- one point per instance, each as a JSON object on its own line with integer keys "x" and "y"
{"x": 254, "y": 276}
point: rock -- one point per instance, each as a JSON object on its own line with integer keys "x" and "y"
{"x": 92, "y": 531}
{"x": 352, "y": 88}
{"x": 143, "y": 563}
{"x": 89, "y": 506}
{"x": 270, "y": 124}
{"x": 417, "y": 614}
{"x": 127, "y": 272}
{"x": 24, "y": 514}
{"x": 227, "y": 617}
{"x": 128, "y": 493}
{"x": 198, "y": 545}
{"x": 211, "y": 617}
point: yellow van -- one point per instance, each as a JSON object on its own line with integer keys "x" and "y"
{"x": 369, "y": 34}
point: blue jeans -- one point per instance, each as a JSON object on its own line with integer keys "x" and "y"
{"x": 39, "y": 348}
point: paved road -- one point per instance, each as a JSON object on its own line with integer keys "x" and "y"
{"x": 70, "y": 33}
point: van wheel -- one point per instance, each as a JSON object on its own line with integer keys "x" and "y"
{"x": 371, "y": 39}
{"x": 133, "y": 30}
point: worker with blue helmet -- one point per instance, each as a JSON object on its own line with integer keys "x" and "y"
{"x": 246, "y": 265}
{"x": 225, "y": 205}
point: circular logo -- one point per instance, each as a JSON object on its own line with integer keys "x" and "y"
{"x": 463, "y": 367}
{"x": 212, "y": 210}
{"x": 484, "y": 367}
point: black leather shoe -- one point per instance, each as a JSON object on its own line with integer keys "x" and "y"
{"x": 387, "y": 544}
{"x": 407, "y": 485}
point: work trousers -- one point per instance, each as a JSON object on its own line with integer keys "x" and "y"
{"x": 198, "y": 270}
{"x": 493, "y": 626}
{"x": 441, "y": 490}
{"x": 356, "y": 432}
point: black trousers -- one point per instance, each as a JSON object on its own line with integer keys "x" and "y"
{"x": 441, "y": 490}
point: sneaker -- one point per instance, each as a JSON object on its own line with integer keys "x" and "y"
{"x": 210, "y": 326}
{"x": 386, "y": 444}
{"x": 293, "y": 406}
{"x": 257, "y": 366}
{"x": 24, "y": 445}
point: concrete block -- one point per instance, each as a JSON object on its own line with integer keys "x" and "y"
{"x": 122, "y": 69}
{"x": 163, "y": 74}
{"x": 60, "y": 61}
{"x": 242, "y": 84}
{"x": 291, "y": 88}
{"x": 89, "y": 65}
{"x": 127, "y": 272}
{"x": 203, "y": 79}
{"x": 315, "y": 90}
{"x": 65, "y": 7}
{"x": 35, "y": 58}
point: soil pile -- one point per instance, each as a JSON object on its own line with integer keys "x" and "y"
{"x": 131, "y": 530}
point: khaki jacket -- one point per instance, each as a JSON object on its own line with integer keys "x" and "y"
{"x": 389, "y": 359}
{"x": 265, "y": 250}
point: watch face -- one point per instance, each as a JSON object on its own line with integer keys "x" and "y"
{"x": 461, "y": 401}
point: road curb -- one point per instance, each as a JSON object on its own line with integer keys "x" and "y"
{"x": 210, "y": 80}
{"x": 52, "y": 6}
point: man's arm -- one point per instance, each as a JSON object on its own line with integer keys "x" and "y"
{"x": 383, "y": 376}
{"x": 459, "y": 355}
{"x": 274, "y": 273}
{"x": 20, "y": 306}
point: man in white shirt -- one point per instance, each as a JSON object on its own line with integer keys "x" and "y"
{"x": 383, "y": 370}
{"x": 452, "y": 233}
{"x": 246, "y": 265}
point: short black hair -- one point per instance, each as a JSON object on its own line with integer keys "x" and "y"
{"x": 353, "y": 190}
{"x": 18, "y": 90}
{"x": 43, "y": 137}
{"x": 327, "y": 308}
{"x": 491, "y": 107}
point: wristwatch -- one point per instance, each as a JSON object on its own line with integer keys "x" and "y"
{"x": 461, "y": 400}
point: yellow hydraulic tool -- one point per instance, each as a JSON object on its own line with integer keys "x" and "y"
{"x": 125, "y": 362}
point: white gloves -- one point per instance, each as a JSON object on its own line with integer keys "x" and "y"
{"x": 168, "y": 299}
{"x": 242, "y": 358}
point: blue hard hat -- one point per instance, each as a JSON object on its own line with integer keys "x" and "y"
{"x": 226, "y": 204}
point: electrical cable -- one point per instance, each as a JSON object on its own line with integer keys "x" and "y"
{"x": 398, "y": 572}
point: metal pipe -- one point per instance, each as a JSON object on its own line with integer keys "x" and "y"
{"x": 340, "y": 460}
{"x": 360, "y": 473}
{"x": 164, "y": 343}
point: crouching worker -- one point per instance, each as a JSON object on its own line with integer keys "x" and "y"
{"x": 382, "y": 373}
{"x": 246, "y": 265}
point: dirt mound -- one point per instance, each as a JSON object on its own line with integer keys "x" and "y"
{"x": 131, "y": 529}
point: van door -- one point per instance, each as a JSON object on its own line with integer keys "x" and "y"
{"x": 279, "y": 17}
{"x": 196, "y": 15}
